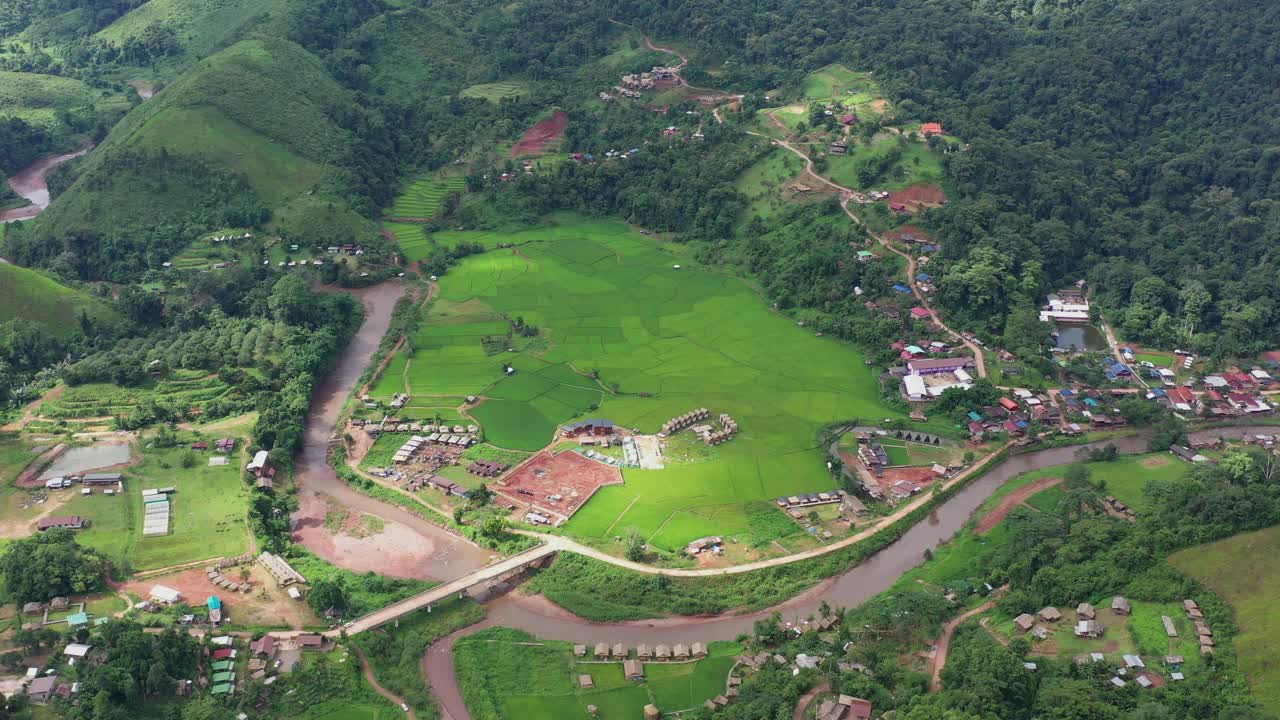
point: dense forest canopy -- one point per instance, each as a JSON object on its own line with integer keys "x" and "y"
{"x": 1129, "y": 143}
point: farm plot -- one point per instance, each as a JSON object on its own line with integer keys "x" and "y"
{"x": 887, "y": 163}
{"x": 411, "y": 239}
{"x": 608, "y": 302}
{"x": 506, "y": 673}
{"x": 97, "y": 400}
{"x": 424, "y": 197}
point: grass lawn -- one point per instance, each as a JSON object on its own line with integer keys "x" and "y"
{"x": 1245, "y": 571}
{"x": 1125, "y": 477}
{"x": 607, "y": 300}
{"x": 502, "y": 678}
{"x": 1047, "y": 500}
{"x": 207, "y": 513}
{"x": 916, "y": 165}
{"x": 1157, "y": 359}
{"x": 763, "y": 183}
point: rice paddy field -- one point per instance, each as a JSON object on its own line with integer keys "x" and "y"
{"x": 495, "y": 91}
{"x": 662, "y": 341}
{"x": 410, "y": 238}
{"x": 500, "y": 677}
{"x": 1245, "y": 571}
{"x": 423, "y": 198}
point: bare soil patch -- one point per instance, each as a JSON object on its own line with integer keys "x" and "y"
{"x": 918, "y": 197}
{"x": 569, "y": 475}
{"x": 396, "y": 550}
{"x": 1155, "y": 462}
{"x": 265, "y": 604}
{"x": 909, "y": 231}
{"x": 1011, "y": 501}
{"x": 537, "y": 138}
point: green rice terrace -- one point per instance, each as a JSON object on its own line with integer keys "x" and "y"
{"x": 423, "y": 198}
{"x": 495, "y": 91}
{"x": 617, "y": 326}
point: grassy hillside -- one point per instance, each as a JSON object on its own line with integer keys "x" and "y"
{"x": 1245, "y": 571}
{"x": 28, "y": 294}
{"x": 201, "y": 26}
{"x": 245, "y": 132}
{"x": 50, "y": 101}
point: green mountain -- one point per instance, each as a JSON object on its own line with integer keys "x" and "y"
{"x": 246, "y": 133}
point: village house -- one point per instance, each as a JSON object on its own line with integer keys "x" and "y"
{"x": 1120, "y": 606}
{"x": 1085, "y": 611}
{"x": 931, "y": 128}
{"x": 1088, "y": 629}
{"x": 1024, "y": 622}
{"x": 1050, "y": 614}
{"x": 69, "y": 522}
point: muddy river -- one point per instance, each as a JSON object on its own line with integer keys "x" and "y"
{"x": 420, "y": 549}
{"x": 31, "y": 183}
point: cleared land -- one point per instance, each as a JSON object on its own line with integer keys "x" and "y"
{"x": 508, "y": 673}
{"x": 607, "y": 299}
{"x": 1245, "y": 571}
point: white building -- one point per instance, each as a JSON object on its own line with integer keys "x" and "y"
{"x": 1072, "y": 309}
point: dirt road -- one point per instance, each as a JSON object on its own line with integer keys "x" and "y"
{"x": 846, "y": 195}
{"x": 1011, "y": 501}
{"x": 373, "y": 682}
{"x": 944, "y": 642}
{"x": 807, "y": 699}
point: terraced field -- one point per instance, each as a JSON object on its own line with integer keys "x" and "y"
{"x": 495, "y": 91}
{"x": 188, "y": 389}
{"x": 410, "y": 238}
{"x": 423, "y": 198}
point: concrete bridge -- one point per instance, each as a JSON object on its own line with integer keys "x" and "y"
{"x": 489, "y": 573}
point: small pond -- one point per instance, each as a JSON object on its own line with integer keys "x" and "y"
{"x": 79, "y": 460}
{"x": 1078, "y": 336}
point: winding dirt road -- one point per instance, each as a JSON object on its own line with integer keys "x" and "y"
{"x": 944, "y": 642}
{"x": 373, "y": 682}
{"x": 846, "y": 195}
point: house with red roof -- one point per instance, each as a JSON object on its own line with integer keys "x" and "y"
{"x": 931, "y": 128}
{"x": 920, "y": 312}
{"x": 1182, "y": 399}
{"x": 1008, "y": 405}
{"x": 849, "y": 119}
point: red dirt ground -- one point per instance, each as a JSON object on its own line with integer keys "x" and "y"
{"x": 913, "y": 230}
{"x": 922, "y": 475}
{"x": 918, "y": 197}
{"x": 538, "y": 137}
{"x": 1011, "y": 501}
{"x": 568, "y": 474}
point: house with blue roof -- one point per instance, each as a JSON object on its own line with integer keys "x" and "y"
{"x": 975, "y": 416}
{"x": 899, "y": 287}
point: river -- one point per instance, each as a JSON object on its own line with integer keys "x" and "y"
{"x": 32, "y": 184}
{"x": 436, "y": 554}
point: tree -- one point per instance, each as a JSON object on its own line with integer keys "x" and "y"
{"x": 50, "y": 564}
{"x": 326, "y": 594}
{"x": 635, "y": 546}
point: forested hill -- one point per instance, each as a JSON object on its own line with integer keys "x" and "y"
{"x": 1133, "y": 143}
